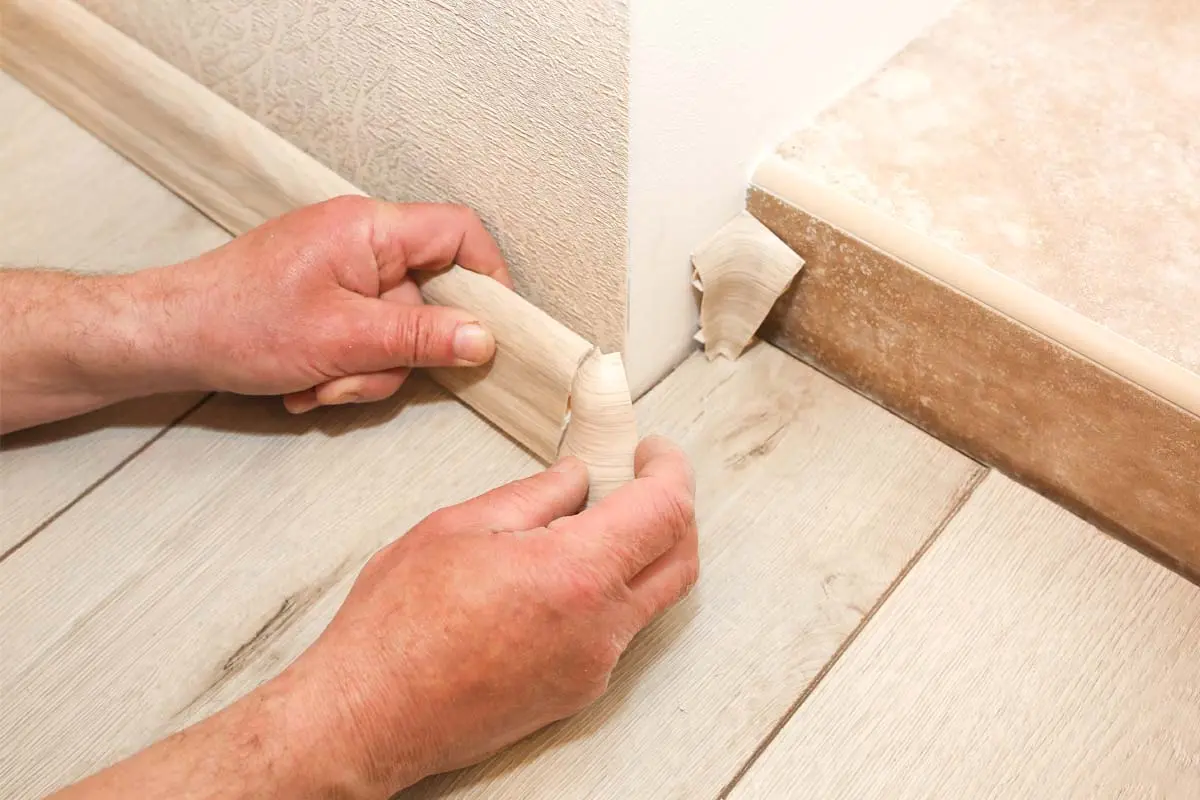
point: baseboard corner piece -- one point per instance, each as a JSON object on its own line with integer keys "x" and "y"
{"x": 740, "y": 272}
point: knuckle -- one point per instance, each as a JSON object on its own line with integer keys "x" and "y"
{"x": 467, "y": 214}
{"x": 675, "y": 509}
{"x": 597, "y": 659}
{"x": 410, "y": 338}
{"x": 582, "y": 587}
{"x": 444, "y": 519}
{"x": 590, "y": 590}
{"x": 349, "y": 213}
{"x": 351, "y": 206}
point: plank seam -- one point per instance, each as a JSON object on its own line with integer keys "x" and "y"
{"x": 968, "y": 492}
{"x": 48, "y": 521}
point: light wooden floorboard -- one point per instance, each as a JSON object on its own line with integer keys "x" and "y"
{"x": 811, "y": 501}
{"x": 1026, "y": 655}
{"x": 67, "y": 201}
{"x": 215, "y": 556}
{"x": 154, "y": 589}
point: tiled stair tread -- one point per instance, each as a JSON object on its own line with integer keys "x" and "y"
{"x": 1054, "y": 142}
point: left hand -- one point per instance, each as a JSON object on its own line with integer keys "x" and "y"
{"x": 319, "y": 304}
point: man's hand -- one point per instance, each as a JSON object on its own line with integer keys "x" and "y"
{"x": 318, "y": 305}
{"x": 325, "y": 292}
{"x": 486, "y": 622}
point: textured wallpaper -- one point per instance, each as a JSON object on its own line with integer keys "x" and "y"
{"x": 515, "y": 107}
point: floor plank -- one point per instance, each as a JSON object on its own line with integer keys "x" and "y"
{"x": 144, "y": 598}
{"x": 1026, "y": 655}
{"x": 811, "y": 501}
{"x": 125, "y": 613}
{"x": 68, "y": 201}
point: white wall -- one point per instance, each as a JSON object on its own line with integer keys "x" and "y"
{"x": 714, "y": 85}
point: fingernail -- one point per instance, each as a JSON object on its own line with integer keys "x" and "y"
{"x": 345, "y": 397}
{"x": 300, "y": 406}
{"x": 473, "y": 343}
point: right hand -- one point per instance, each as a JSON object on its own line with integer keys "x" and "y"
{"x": 494, "y": 618}
{"x": 320, "y": 304}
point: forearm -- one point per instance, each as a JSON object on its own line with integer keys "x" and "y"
{"x": 265, "y": 745}
{"x": 72, "y": 343}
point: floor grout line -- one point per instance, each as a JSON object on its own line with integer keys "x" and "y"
{"x": 48, "y": 521}
{"x": 828, "y": 666}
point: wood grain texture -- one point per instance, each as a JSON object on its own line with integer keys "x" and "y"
{"x": 741, "y": 271}
{"x": 602, "y": 430}
{"x": 990, "y": 386}
{"x": 526, "y": 388}
{"x": 241, "y": 174}
{"x": 68, "y": 201}
{"x": 519, "y": 109}
{"x": 218, "y": 554}
{"x": 1026, "y": 655}
{"x": 192, "y": 141}
{"x": 154, "y": 591}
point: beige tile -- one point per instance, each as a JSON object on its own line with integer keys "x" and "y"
{"x": 1055, "y": 142}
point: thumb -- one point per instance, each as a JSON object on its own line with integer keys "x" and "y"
{"x": 383, "y": 336}
{"x": 529, "y": 503}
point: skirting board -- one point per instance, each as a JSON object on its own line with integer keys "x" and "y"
{"x": 240, "y": 174}
{"x": 1048, "y": 397}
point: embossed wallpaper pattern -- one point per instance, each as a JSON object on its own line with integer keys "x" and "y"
{"x": 515, "y": 107}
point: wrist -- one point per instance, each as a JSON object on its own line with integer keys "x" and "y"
{"x": 318, "y": 752}
{"x": 71, "y": 343}
{"x": 160, "y": 334}
{"x": 109, "y": 336}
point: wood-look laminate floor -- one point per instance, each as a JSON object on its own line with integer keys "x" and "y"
{"x": 878, "y": 615}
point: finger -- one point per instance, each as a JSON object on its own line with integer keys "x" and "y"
{"x": 526, "y": 504}
{"x": 361, "y": 388}
{"x": 405, "y": 293}
{"x": 431, "y": 236}
{"x": 378, "y": 336}
{"x": 659, "y": 456}
{"x": 666, "y": 581}
{"x": 642, "y": 520}
{"x": 301, "y": 402}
